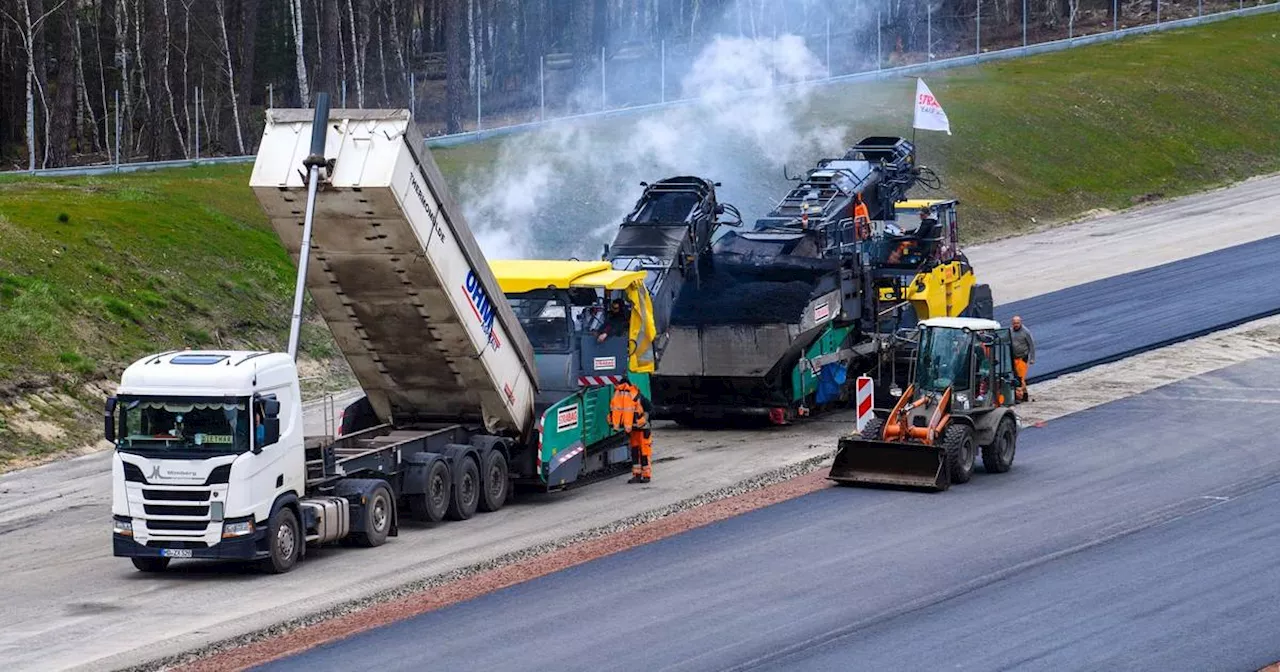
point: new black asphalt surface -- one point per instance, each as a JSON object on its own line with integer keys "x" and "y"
{"x": 1113, "y": 318}
{"x": 1137, "y": 535}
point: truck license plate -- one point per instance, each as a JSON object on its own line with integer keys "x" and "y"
{"x": 175, "y": 552}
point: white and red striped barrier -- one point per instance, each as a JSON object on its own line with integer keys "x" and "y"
{"x": 863, "y": 397}
{"x": 593, "y": 381}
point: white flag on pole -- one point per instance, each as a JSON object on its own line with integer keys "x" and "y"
{"x": 929, "y": 114}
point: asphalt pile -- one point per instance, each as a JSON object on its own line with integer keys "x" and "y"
{"x": 724, "y": 298}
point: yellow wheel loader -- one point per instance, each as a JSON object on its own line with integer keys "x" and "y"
{"x": 959, "y": 404}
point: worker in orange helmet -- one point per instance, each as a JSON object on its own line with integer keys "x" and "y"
{"x": 629, "y": 412}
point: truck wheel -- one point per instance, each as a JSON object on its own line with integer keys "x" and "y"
{"x": 378, "y": 513}
{"x": 150, "y": 565}
{"x": 957, "y": 442}
{"x": 495, "y": 482}
{"x": 466, "y": 492}
{"x": 997, "y": 458}
{"x": 283, "y": 541}
{"x": 431, "y": 506}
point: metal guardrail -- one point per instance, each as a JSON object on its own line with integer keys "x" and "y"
{"x": 870, "y": 75}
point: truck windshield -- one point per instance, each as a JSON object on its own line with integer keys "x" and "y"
{"x": 944, "y": 359}
{"x": 194, "y": 427}
{"x": 545, "y": 322}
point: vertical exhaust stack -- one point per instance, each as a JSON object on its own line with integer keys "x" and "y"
{"x": 313, "y": 163}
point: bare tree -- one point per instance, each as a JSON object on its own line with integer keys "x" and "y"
{"x": 295, "y": 15}
{"x": 28, "y": 28}
{"x": 454, "y": 25}
{"x": 220, "y": 5}
{"x": 164, "y": 74}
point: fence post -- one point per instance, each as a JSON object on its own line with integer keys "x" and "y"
{"x": 1115, "y": 15}
{"x": 1200, "y": 7}
{"x": 413, "y": 97}
{"x": 1071, "y": 23}
{"x": 344, "y": 94}
{"x": 479, "y": 109}
{"x": 271, "y": 96}
{"x": 928, "y": 47}
{"x": 1024, "y": 23}
{"x": 197, "y": 124}
{"x": 542, "y": 88}
{"x": 879, "y": 49}
{"x": 1157, "y": 12}
{"x": 662, "y": 68}
{"x": 604, "y": 83}
{"x": 118, "y": 129}
{"x": 830, "y": 73}
{"x": 977, "y": 32}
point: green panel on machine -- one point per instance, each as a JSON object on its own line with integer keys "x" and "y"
{"x": 804, "y": 380}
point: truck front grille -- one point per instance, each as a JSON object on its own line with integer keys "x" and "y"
{"x": 168, "y": 510}
{"x": 178, "y": 525}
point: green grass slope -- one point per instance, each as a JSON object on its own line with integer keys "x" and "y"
{"x": 97, "y": 271}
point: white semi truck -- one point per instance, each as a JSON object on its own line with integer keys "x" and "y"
{"x": 211, "y": 459}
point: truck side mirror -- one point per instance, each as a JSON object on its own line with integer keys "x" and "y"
{"x": 272, "y": 425}
{"x": 109, "y": 420}
{"x": 271, "y": 409}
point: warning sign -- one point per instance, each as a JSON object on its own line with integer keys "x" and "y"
{"x": 567, "y": 418}
{"x": 605, "y": 363}
{"x": 822, "y": 312}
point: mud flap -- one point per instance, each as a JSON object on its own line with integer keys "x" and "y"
{"x": 912, "y": 465}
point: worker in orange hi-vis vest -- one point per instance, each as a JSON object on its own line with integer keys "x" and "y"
{"x": 629, "y": 412}
{"x": 861, "y": 217}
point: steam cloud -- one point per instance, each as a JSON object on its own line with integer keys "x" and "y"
{"x": 561, "y": 192}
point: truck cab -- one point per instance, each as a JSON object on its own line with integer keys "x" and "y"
{"x": 209, "y": 444}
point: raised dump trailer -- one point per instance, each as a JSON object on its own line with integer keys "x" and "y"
{"x": 211, "y": 460}
{"x": 396, "y": 273}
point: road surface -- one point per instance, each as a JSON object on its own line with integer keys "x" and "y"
{"x": 69, "y": 603}
{"x": 1108, "y": 319}
{"x": 1138, "y": 535}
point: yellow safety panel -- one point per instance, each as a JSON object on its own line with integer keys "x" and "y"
{"x": 942, "y": 292}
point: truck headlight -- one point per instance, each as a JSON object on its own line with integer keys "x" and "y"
{"x": 241, "y": 528}
{"x": 122, "y": 527}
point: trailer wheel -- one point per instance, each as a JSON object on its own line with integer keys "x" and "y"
{"x": 997, "y": 458}
{"x": 432, "y": 505}
{"x": 495, "y": 482}
{"x": 378, "y": 513}
{"x": 283, "y": 541}
{"x": 466, "y": 492}
{"x": 150, "y": 565}
{"x": 957, "y": 442}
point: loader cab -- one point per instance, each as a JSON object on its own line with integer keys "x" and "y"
{"x": 588, "y": 323}
{"x": 971, "y": 356}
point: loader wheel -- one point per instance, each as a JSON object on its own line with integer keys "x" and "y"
{"x": 957, "y": 443}
{"x": 873, "y": 430}
{"x": 997, "y": 458}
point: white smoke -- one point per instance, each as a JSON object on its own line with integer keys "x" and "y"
{"x": 593, "y": 167}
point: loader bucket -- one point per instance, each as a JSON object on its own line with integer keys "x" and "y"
{"x": 912, "y": 465}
